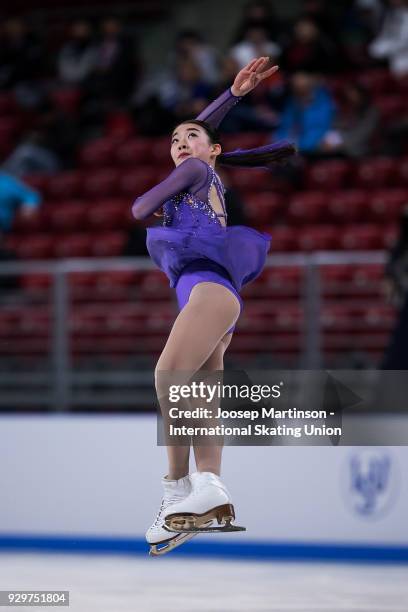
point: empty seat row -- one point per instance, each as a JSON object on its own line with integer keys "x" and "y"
{"x": 305, "y": 208}
{"x": 45, "y": 246}
{"x": 331, "y": 238}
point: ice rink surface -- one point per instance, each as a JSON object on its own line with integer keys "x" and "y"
{"x": 136, "y": 584}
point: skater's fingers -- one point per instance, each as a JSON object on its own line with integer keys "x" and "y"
{"x": 250, "y": 64}
{"x": 270, "y": 72}
{"x": 260, "y": 64}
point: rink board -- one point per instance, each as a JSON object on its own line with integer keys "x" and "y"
{"x": 90, "y": 483}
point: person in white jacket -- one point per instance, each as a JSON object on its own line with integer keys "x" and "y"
{"x": 392, "y": 41}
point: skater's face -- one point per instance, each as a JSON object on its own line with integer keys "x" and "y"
{"x": 191, "y": 140}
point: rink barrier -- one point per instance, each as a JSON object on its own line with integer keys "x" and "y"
{"x": 250, "y": 551}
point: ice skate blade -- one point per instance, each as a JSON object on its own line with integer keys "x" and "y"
{"x": 222, "y": 529}
{"x": 162, "y": 548}
{"x": 189, "y": 522}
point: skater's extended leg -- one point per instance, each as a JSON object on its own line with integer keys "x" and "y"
{"x": 208, "y": 457}
{"x": 198, "y": 330}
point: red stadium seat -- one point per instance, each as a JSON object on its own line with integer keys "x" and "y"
{"x": 402, "y": 171}
{"x": 82, "y": 286}
{"x": 39, "y": 182}
{"x": 348, "y": 206}
{"x": 378, "y": 172}
{"x": 35, "y": 282}
{"x": 324, "y": 237}
{"x": 34, "y": 223}
{"x": 282, "y": 282}
{"x": 68, "y": 217}
{"x": 283, "y": 238}
{"x": 88, "y": 320}
{"x": 99, "y": 152}
{"x": 76, "y": 245}
{"x": 65, "y": 185}
{"x": 377, "y": 80}
{"x": 160, "y": 150}
{"x": 362, "y": 237}
{"x": 390, "y": 106}
{"x": 39, "y": 246}
{"x": 117, "y": 280}
{"x": 119, "y": 125}
{"x": 101, "y": 183}
{"x": 7, "y": 102}
{"x": 331, "y": 174}
{"x": 67, "y": 99}
{"x": 386, "y": 205}
{"x": 109, "y": 244}
{"x": 109, "y": 214}
{"x": 335, "y": 279}
{"x": 390, "y": 235}
{"x": 251, "y": 180}
{"x": 154, "y": 285}
{"x": 263, "y": 208}
{"x": 134, "y": 152}
{"x": 308, "y": 207}
{"x": 133, "y": 183}
{"x": 246, "y": 140}
{"x": 366, "y": 279}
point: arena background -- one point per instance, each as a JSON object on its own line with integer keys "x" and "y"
{"x": 88, "y": 96}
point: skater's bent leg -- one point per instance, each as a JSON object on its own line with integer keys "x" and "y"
{"x": 196, "y": 333}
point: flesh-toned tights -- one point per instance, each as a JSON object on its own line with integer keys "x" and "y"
{"x": 197, "y": 342}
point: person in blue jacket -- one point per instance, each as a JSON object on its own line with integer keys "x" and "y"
{"x": 308, "y": 114}
{"x": 15, "y": 194}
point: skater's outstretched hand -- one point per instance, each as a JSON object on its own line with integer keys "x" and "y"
{"x": 251, "y": 75}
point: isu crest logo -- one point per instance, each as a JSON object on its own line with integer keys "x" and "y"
{"x": 372, "y": 481}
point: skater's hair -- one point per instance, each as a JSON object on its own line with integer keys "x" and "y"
{"x": 260, "y": 157}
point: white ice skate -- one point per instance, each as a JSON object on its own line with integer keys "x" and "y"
{"x": 160, "y": 540}
{"x": 209, "y": 500}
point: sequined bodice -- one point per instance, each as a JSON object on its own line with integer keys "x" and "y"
{"x": 187, "y": 210}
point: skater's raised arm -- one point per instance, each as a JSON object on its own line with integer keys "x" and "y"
{"x": 191, "y": 172}
{"x": 246, "y": 80}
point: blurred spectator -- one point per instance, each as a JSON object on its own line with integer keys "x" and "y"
{"x": 255, "y": 43}
{"x": 21, "y": 62}
{"x": 115, "y": 69}
{"x": 61, "y": 133}
{"x": 9, "y": 281}
{"x": 310, "y": 49}
{"x": 255, "y": 112}
{"x": 21, "y": 56}
{"x": 396, "y": 286}
{"x": 319, "y": 11}
{"x": 392, "y": 41}
{"x": 185, "y": 93}
{"x": 258, "y": 13}
{"x": 32, "y": 156}
{"x": 49, "y": 147}
{"x": 308, "y": 115}
{"x": 78, "y": 56}
{"x": 355, "y": 125}
{"x": 189, "y": 43}
{"x": 14, "y": 193}
{"x": 136, "y": 242}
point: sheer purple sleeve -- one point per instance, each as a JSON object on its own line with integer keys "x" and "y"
{"x": 187, "y": 174}
{"x": 216, "y": 111}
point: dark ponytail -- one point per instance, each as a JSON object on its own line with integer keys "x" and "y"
{"x": 260, "y": 157}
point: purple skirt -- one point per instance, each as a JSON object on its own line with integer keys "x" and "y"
{"x": 203, "y": 271}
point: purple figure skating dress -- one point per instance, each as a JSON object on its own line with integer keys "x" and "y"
{"x": 193, "y": 246}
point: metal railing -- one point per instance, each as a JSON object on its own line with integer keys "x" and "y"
{"x": 55, "y": 385}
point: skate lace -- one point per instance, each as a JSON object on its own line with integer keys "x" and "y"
{"x": 164, "y": 504}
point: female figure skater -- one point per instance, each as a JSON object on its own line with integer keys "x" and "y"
{"x": 207, "y": 263}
